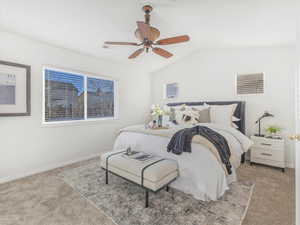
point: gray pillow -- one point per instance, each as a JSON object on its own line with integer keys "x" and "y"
{"x": 204, "y": 115}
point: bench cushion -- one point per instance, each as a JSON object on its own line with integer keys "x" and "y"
{"x": 155, "y": 176}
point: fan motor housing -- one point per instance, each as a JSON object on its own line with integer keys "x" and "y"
{"x": 154, "y": 34}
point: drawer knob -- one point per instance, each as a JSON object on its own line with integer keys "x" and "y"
{"x": 265, "y": 144}
{"x": 266, "y": 154}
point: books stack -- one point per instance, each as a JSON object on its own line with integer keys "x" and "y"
{"x": 139, "y": 156}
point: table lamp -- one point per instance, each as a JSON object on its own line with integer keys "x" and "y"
{"x": 266, "y": 114}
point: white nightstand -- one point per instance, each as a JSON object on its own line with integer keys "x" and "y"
{"x": 268, "y": 151}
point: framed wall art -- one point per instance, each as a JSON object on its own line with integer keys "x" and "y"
{"x": 171, "y": 90}
{"x": 14, "y": 89}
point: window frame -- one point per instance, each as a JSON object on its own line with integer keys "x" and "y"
{"x": 85, "y": 76}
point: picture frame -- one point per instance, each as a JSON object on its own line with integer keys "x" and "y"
{"x": 171, "y": 90}
{"x": 15, "y": 80}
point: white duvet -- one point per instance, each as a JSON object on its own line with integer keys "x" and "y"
{"x": 200, "y": 173}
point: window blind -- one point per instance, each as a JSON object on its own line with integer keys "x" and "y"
{"x": 250, "y": 83}
{"x": 64, "y": 96}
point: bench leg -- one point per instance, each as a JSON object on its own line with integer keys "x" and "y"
{"x": 146, "y": 198}
{"x": 167, "y": 188}
{"x": 243, "y": 158}
{"x": 106, "y": 176}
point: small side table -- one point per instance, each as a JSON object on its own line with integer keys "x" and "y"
{"x": 268, "y": 151}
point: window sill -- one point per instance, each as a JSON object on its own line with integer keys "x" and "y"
{"x": 78, "y": 122}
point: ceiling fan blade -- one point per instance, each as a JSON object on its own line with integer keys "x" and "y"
{"x": 120, "y": 43}
{"x": 136, "y": 53}
{"x": 144, "y": 29}
{"x": 173, "y": 40}
{"x": 162, "y": 52}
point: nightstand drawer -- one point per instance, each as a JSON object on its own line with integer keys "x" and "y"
{"x": 269, "y": 162}
{"x": 275, "y": 155}
{"x": 269, "y": 143}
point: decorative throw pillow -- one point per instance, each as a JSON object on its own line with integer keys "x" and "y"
{"x": 223, "y": 114}
{"x": 190, "y": 115}
{"x": 203, "y": 113}
{"x": 172, "y": 114}
{"x": 179, "y": 117}
{"x": 204, "y": 116}
{"x": 175, "y": 113}
{"x": 183, "y": 114}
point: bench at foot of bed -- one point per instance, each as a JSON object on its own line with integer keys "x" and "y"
{"x": 152, "y": 175}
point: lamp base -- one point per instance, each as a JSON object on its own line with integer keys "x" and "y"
{"x": 259, "y": 135}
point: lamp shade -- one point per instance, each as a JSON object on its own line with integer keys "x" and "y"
{"x": 266, "y": 114}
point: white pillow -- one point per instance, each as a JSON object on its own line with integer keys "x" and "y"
{"x": 234, "y": 119}
{"x": 235, "y": 126}
{"x": 223, "y": 114}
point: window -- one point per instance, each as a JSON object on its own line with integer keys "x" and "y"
{"x": 100, "y": 98}
{"x": 70, "y": 96}
{"x": 171, "y": 90}
{"x": 250, "y": 83}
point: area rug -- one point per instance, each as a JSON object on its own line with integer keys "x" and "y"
{"x": 124, "y": 201}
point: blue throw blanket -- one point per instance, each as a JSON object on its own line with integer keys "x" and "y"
{"x": 182, "y": 141}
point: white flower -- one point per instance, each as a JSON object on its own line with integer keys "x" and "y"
{"x": 156, "y": 110}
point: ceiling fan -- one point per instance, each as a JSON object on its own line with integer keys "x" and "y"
{"x": 148, "y": 36}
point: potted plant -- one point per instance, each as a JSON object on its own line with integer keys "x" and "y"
{"x": 273, "y": 131}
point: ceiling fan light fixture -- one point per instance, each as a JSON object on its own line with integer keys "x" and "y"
{"x": 148, "y": 36}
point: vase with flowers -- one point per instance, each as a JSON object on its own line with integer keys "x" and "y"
{"x": 157, "y": 112}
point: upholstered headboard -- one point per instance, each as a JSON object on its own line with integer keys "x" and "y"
{"x": 239, "y": 112}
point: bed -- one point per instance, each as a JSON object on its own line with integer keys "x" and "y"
{"x": 201, "y": 175}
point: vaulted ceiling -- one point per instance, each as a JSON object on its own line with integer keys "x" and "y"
{"x": 83, "y": 25}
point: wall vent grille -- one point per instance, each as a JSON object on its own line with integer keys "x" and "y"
{"x": 250, "y": 84}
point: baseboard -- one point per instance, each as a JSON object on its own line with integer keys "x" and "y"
{"x": 46, "y": 168}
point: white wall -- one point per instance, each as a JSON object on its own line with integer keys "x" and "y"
{"x": 27, "y": 147}
{"x": 298, "y": 124}
{"x": 210, "y": 75}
